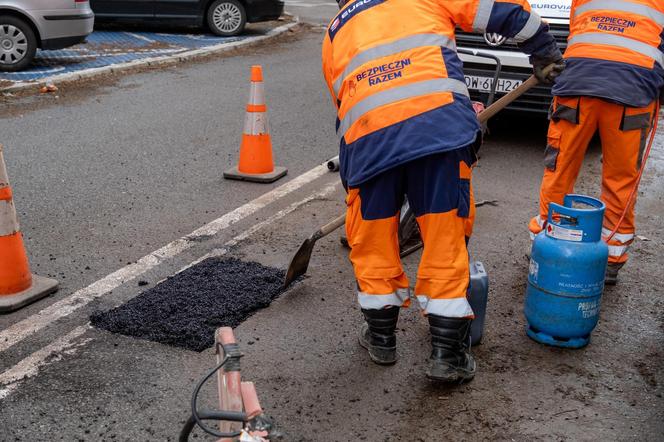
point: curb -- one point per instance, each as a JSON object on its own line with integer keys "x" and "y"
{"x": 154, "y": 61}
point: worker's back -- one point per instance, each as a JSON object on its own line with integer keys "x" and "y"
{"x": 397, "y": 81}
{"x": 615, "y": 52}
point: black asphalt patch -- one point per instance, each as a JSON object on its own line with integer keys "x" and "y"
{"x": 187, "y": 308}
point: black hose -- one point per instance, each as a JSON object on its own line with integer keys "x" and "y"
{"x": 234, "y": 416}
{"x": 187, "y": 429}
{"x": 197, "y": 417}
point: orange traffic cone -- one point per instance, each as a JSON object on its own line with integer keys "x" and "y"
{"x": 17, "y": 286}
{"x": 256, "y": 162}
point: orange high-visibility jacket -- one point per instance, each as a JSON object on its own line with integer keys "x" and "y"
{"x": 615, "y": 52}
{"x": 395, "y": 77}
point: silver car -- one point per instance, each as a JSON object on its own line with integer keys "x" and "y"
{"x": 26, "y": 25}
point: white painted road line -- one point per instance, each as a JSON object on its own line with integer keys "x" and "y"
{"x": 32, "y": 324}
{"x": 30, "y": 366}
{"x": 325, "y": 192}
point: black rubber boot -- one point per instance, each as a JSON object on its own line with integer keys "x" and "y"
{"x": 611, "y": 276}
{"x": 450, "y": 360}
{"x": 377, "y": 334}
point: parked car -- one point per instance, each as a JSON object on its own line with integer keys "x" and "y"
{"x": 222, "y": 17}
{"x": 479, "y": 72}
{"x": 26, "y": 25}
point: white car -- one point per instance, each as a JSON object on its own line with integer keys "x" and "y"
{"x": 479, "y": 71}
{"x": 26, "y": 25}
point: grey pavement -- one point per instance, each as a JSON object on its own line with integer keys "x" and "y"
{"x": 313, "y": 11}
{"x": 109, "y": 174}
{"x": 116, "y": 168}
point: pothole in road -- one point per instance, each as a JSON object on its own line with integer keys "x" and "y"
{"x": 186, "y": 309}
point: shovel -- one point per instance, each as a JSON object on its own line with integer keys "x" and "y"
{"x": 300, "y": 262}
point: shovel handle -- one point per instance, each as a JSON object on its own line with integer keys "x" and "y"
{"x": 500, "y": 104}
{"x": 332, "y": 225}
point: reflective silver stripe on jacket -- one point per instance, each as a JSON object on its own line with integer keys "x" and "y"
{"x": 622, "y": 6}
{"x": 482, "y": 16}
{"x": 623, "y": 42}
{"x": 399, "y": 93}
{"x": 530, "y": 28}
{"x": 394, "y": 47}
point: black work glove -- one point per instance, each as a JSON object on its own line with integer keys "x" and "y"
{"x": 541, "y": 62}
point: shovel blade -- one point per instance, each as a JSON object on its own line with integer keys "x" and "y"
{"x": 300, "y": 262}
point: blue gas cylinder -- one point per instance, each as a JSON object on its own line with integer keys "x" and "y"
{"x": 566, "y": 274}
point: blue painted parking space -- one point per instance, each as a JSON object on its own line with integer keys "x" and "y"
{"x": 105, "y": 48}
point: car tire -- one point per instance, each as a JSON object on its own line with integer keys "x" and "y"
{"x": 226, "y": 17}
{"x": 18, "y": 44}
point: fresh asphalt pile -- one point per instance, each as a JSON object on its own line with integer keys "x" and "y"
{"x": 186, "y": 309}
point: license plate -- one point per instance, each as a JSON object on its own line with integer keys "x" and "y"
{"x": 483, "y": 84}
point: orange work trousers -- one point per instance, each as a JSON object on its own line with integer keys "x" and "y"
{"x": 623, "y": 132}
{"x": 439, "y": 192}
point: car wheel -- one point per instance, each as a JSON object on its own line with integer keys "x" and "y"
{"x": 18, "y": 44}
{"x": 226, "y": 17}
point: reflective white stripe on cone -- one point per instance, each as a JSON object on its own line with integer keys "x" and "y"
{"x": 256, "y": 163}
{"x": 18, "y": 286}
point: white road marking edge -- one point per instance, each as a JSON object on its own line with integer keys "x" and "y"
{"x": 32, "y": 324}
{"x": 30, "y": 366}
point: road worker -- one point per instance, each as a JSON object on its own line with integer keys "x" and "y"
{"x": 612, "y": 83}
{"x": 407, "y": 126}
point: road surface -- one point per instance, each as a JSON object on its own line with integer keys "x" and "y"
{"x": 112, "y": 177}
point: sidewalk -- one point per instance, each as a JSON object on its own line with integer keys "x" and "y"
{"x": 111, "y": 49}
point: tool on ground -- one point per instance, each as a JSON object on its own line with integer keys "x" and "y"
{"x": 256, "y": 163}
{"x": 18, "y": 286}
{"x": 240, "y": 415}
{"x": 566, "y": 274}
{"x": 486, "y": 203}
{"x": 300, "y": 261}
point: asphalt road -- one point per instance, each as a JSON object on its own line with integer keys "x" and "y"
{"x": 106, "y": 174}
{"x": 313, "y": 11}
{"x": 114, "y": 169}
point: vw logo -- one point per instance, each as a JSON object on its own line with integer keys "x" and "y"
{"x": 494, "y": 39}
